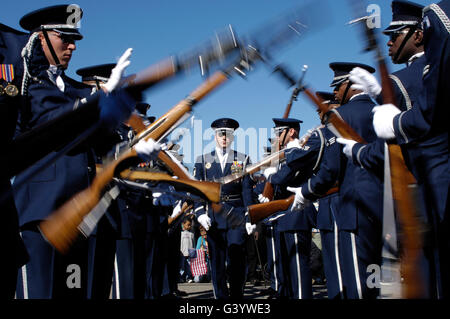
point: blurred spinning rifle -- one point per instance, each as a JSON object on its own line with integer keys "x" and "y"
{"x": 61, "y": 227}
{"x": 278, "y": 155}
{"x": 48, "y": 135}
{"x": 401, "y": 181}
{"x": 295, "y": 92}
{"x": 260, "y": 211}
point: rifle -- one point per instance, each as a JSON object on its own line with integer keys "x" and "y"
{"x": 295, "y": 93}
{"x": 209, "y": 191}
{"x": 48, "y": 135}
{"x": 60, "y": 229}
{"x": 252, "y": 168}
{"x": 401, "y": 178}
{"x": 258, "y": 212}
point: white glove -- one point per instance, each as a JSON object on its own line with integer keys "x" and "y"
{"x": 292, "y": 144}
{"x": 250, "y": 228}
{"x": 205, "y": 221}
{"x": 147, "y": 150}
{"x": 269, "y": 171}
{"x": 383, "y": 120}
{"x": 348, "y": 146}
{"x": 299, "y": 200}
{"x": 365, "y": 81}
{"x": 117, "y": 72}
{"x": 177, "y": 210}
{"x": 263, "y": 199}
{"x": 163, "y": 199}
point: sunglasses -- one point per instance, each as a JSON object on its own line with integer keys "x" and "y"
{"x": 338, "y": 86}
{"x": 224, "y": 133}
{"x": 394, "y": 35}
{"x": 66, "y": 38}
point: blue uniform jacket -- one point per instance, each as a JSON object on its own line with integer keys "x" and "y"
{"x": 11, "y": 43}
{"x": 326, "y": 215}
{"x": 360, "y": 191}
{"x": 429, "y": 120}
{"x": 71, "y": 173}
{"x": 207, "y": 168}
{"x": 428, "y": 123}
{"x": 299, "y": 166}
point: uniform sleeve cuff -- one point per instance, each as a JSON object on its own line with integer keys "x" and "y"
{"x": 398, "y": 129}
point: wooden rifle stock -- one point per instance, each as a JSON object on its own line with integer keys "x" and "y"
{"x": 268, "y": 191}
{"x": 258, "y": 212}
{"x": 411, "y": 226}
{"x": 207, "y": 190}
{"x": 60, "y": 228}
{"x": 173, "y": 166}
{"x": 136, "y": 122}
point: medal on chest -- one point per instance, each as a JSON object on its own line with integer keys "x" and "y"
{"x": 236, "y": 167}
{"x": 7, "y": 73}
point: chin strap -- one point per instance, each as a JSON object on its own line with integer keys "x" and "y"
{"x": 346, "y": 92}
{"x": 411, "y": 31}
{"x": 52, "y": 51}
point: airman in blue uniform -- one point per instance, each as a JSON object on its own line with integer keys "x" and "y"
{"x": 295, "y": 227}
{"x": 49, "y": 93}
{"x": 226, "y": 240}
{"x": 13, "y": 249}
{"x": 360, "y": 210}
{"x": 426, "y": 126}
{"x": 329, "y": 206}
{"x": 406, "y": 45}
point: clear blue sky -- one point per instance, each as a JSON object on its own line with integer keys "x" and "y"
{"x": 156, "y": 29}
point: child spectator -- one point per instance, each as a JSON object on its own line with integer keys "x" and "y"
{"x": 202, "y": 244}
{"x": 187, "y": 242}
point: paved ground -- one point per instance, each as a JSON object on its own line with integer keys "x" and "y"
{"x": 204, "y": 291}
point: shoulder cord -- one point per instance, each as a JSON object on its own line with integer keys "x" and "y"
{"x": 440, "y": 14}
{"x": 26, "y": 54}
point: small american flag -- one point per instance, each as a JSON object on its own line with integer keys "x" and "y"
{"x": 198, "y": 263}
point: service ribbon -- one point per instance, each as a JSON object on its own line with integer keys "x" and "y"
{"x": 7, "y": 72}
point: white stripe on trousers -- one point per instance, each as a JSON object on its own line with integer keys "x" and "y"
{"x": 297, "y": 260}
{"x": 274, "y": 260}
{"x": 24, "y": 278}
{"x": 355, "y": 265}
{"x": 338, "y": 262}
{"x": 116, "y": 277}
